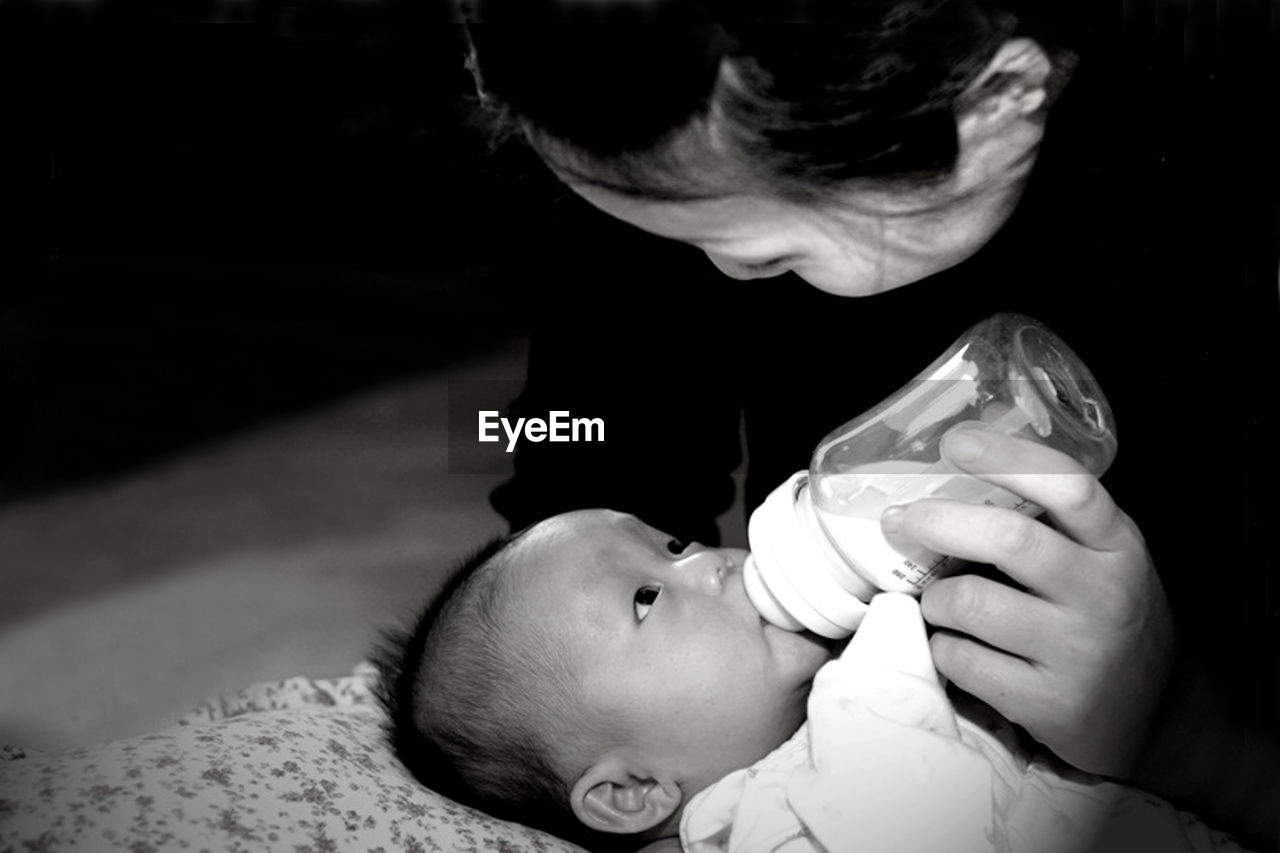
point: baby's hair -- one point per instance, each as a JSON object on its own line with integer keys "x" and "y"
{"x": 476, "y": 716}
{"x": 666, "y": 99}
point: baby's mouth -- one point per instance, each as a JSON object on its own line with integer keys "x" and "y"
{"x": 828, "y": 645}
{"x": 817, "y": 639}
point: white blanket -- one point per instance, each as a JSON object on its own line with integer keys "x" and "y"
{"x": 888, "y": 764}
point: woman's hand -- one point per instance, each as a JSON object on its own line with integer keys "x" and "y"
{"x": 1079, "y": 656}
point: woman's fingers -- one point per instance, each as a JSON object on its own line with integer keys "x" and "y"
{"x": 1009, "y": 684}
{"x": 1091, "y": 533}
{"x": 994, "y": 613}
{"x": 1072, "y": 497}
{"x": 1024, "y": 549}
{"x": 1079, "y": 654}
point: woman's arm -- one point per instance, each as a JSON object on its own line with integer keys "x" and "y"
{"x": 1081, "y": 652}
{"x": 1201, "y": 756}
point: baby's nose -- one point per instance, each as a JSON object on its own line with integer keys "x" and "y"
{"x": 703, "y": 570}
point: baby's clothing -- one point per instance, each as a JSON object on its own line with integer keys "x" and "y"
{"x": 887, "y": 763}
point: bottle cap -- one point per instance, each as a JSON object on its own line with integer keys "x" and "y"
{"x": 794, "y": 577}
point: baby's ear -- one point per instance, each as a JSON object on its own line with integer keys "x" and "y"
{"x": 612, "y": 797}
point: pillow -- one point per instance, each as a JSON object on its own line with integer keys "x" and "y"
{"x": 297, "y": 765}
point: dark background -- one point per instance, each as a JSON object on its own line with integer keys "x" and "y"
{"x": 211, "y": 226}
{"x": 206, "y": 228}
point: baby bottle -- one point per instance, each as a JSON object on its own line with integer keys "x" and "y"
{"x": 817, "y": 552}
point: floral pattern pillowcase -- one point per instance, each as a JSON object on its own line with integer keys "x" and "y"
{"x": 297, "y": 765}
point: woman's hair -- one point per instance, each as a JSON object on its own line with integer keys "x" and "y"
{"x": 479, "y": 715}
{"x": 664, "y": 99}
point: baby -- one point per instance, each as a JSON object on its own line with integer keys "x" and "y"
{"x": 600, "y": 680}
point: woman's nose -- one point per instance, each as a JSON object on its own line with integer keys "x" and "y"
{"x": 702, "y": 570}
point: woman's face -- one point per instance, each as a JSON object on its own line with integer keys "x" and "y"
{"x": 876, "y": 241}
{"x": 864, "y": 238}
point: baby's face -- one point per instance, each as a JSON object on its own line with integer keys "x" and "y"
{"x": 676, "y": 666}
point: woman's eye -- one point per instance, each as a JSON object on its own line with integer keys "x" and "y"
{"x": 645, "y": 597}
{"x": 676, "y": 546}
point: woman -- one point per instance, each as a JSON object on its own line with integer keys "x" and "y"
{"x": 895, "y": 144}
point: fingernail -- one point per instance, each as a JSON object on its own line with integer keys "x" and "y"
{"x": 891, "y": 520}
{"x": 964, "y": 445}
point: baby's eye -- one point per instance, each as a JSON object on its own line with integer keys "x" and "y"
{"x": 676, "y": 546}
{"x": 645, "y": 597}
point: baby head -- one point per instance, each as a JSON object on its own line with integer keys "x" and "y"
{"x": 589, "y": 675}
